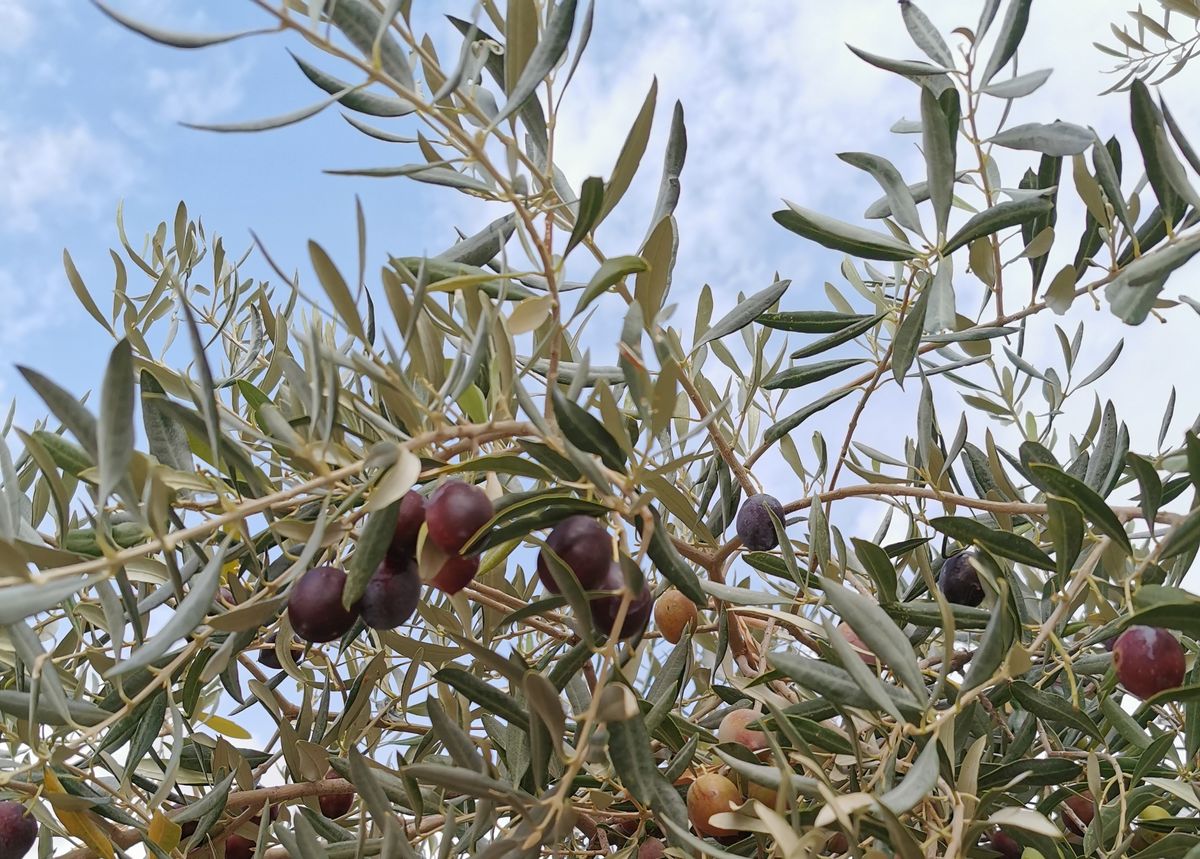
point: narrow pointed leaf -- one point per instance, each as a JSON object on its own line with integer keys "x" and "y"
{"x": 745, "y": 312}
{"x": 841, "y": 236}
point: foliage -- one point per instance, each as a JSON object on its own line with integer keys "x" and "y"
{"x": 1158, "y": 46}
{"x": 141, "y": 580}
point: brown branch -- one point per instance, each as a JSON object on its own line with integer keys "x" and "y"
{"x": 723, "y": 448}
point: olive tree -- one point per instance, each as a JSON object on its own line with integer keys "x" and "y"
{"x": 492, "y": 598}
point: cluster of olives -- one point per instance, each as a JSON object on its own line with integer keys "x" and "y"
{"x": 238, "y": 845}
{"x": 454, "y": 513}
{"x": 585, "y": 547}
{"x": 451, "y": 517}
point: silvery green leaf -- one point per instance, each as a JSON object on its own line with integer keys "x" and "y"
{"x": 880, "y": 634}
{"x": 208, "y": 397}
{"x": 357, "y": 99}
{"x": 1133, "y": 291}
{"x": 431, "y": 174}
{"x": 272, "y": 122}
{"x": 1110, "y": 181}
{"x": 73, "y": 414}
{"x": 1056, "y": 138}
{"x": 174, "y": 38}
{"x": 768, "y": 776}
{"x": 1012, "y": 30}
{"x": 798, "y": 377}
{"x": 852, "y": 663}
{"x": 115, "y": 432}
{"x": 587, "y": 213}
{"x": 377, "y": 133}
{"x": 781, "y": 428}
{"x": 986, "y": 15}
{"x": 899, "y": 198}
{"x": 842, "y": 236}
{"x": 1000, "y": 216}
{"x": 676, "y": 152}
{"x": 1185, "y": 145}
{"x": 745, "y": 312}
{"x": 938, "y": 141}
{"x": 545, "y": 57}
{"x": 908, "y": 337}
{"x": 908, "y": 68}
{"x": 1019, "y": 86}
{"x": 630, "y": 158}
{"x": 22, "y": 601}
{"x": 367, "y": 30}
{"x": 44, "y": 675}
{"x": 16, "y": 704}
{"x": 940, "y": 315}
{"x": 186, "y": 617}
{"x": 925, "y": 34}
{"x": 921, "y": 778}
{"x": 457, "y": 741}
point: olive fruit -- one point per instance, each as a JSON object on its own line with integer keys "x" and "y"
{"x": 584, "y": 545}
{"x": 711, "y": 794}
{"x": 238, "y": 847}
{"x": 408, "y": 523}
{"x": 454, "y": 513}
{"x": 1143, "y": 836}
{"x": 1082, "y": 810}
{"x": 267, "y": 655}
{"x": 606, "y": 608}
{"x": 837, "y": 844}
{"x": 18, "y": 830}
{"x": 651, "y": 848}
{"x": 860, "y": 646}
{"x": 754, "y": 526}
{"x": 1148, "y": 660}
{"x": 673, "y": 613}
{"x": 335, "y": 805}
{"x": 959, "y": 580}
{"x": 315, "y": 606}
{"x": 733, "y": 730}
{"x": 455, "y": 573}
{"x": 1004, "y": 844}
{"x": 392, "y": 594}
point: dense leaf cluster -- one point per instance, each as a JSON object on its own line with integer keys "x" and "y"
{"x": 210, "y": 568}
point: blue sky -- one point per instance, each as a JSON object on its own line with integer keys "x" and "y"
{"x": 771, "y": 93}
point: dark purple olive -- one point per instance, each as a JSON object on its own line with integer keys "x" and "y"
{"x": 959, "y": 580}
{"x": 315, "y": 606}
{"x": 335, "y": 805}
{"x": 237, "y": 847}
{"x": 392, "y": 594}
{"x": 606, "y": 608}
{"x": 455, "y": 511}
{"x": 1005, "y": 845}
{"x": 18, "y": 830}
{"x": 455, "y": 574}
{"x": 408, "y": 523}
{"x": 754, "y": 526}
{"x": 584, "y": 545}
{"x": 268, "y": 657}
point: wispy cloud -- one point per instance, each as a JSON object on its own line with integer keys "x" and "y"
{"x": 67, "y": 167}
{"x": 16, "y": 25}
{"x": 197, "y": 93}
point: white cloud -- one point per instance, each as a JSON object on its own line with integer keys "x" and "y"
{"x": 57, "y": 167}
{"x": 198, "y": 93}
{"x": 30, "y": 303}
{"x": 16, "y": 25}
